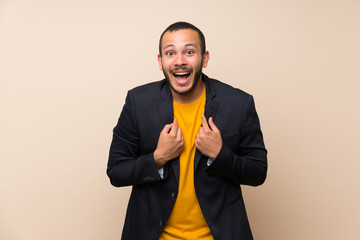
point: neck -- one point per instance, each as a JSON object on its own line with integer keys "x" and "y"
{"x": 191, "y": 96}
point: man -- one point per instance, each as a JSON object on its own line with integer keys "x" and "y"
{"x": 186, "y": 144}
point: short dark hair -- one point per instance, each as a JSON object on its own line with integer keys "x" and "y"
{"x": 184, "y": 25}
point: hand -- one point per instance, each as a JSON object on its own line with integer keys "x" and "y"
{"x": 170, "y": 144}
{"x": 208, "y": 139}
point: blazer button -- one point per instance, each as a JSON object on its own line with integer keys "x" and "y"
{"x": 161, "y": 223}
{"x": 172, "y": 195}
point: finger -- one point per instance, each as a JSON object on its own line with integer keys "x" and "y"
{"x": 182, "y": 140}
{"x": 197, "y": 139}
{"x": 167, "y": 128}
{"x": 204, "y": 123}
{"x": 174, "y": 128}
{"x": 212, "y": 124}
{"x": 179, "y": 134}
{"x": 201, "y": 131}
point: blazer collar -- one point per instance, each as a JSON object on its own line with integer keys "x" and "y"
{"x": 211, "y": 104}
{"x": 166, "y": 105}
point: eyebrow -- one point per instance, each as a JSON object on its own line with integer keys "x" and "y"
{"x": 170, "y": 45}
{"x": 186, "y": 45}
{"x": 190, "y": 45}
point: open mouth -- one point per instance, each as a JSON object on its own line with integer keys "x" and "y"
{"x": 181, "y": 77}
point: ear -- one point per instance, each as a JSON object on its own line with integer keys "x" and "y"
{"x": 159, "y": 61}
{"x": 205, "y": 57}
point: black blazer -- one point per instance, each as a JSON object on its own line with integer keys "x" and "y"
{"x": 242, "y": 160}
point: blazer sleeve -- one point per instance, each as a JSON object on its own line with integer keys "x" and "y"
{"x": 125, "y": 165}
{"x": 249, "y": 166}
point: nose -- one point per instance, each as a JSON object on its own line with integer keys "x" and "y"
{"x": 180, "y": 60}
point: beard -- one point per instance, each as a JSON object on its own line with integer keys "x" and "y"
{"x": 197, "y": 75}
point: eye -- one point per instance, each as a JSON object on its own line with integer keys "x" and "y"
{"x": 190, "y": 52}
{"x": 169, "y": 53}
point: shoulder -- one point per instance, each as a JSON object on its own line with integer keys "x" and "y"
{"x": 148, "y": 88}
{"x": 148, "y": 92}
{"x": 225, "y": 91}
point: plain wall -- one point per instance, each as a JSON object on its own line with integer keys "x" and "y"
{"x": 65, "y": 70}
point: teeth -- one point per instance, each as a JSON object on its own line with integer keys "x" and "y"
{"x": 181, "y": 74}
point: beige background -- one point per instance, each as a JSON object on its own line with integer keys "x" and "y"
{"x": 66, "y": 67}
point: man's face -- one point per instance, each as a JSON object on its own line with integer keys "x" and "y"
{"x": 182, "y": 61}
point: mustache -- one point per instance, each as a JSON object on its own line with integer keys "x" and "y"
{"x": 181, "y": 68}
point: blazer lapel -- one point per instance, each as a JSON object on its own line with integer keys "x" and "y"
{"x": 166, "y": 106}
{"x": 211, "y": 106}
{"x": 166, "y": 112}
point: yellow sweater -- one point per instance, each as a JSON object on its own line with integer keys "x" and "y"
{"x": 186, "y": 220}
